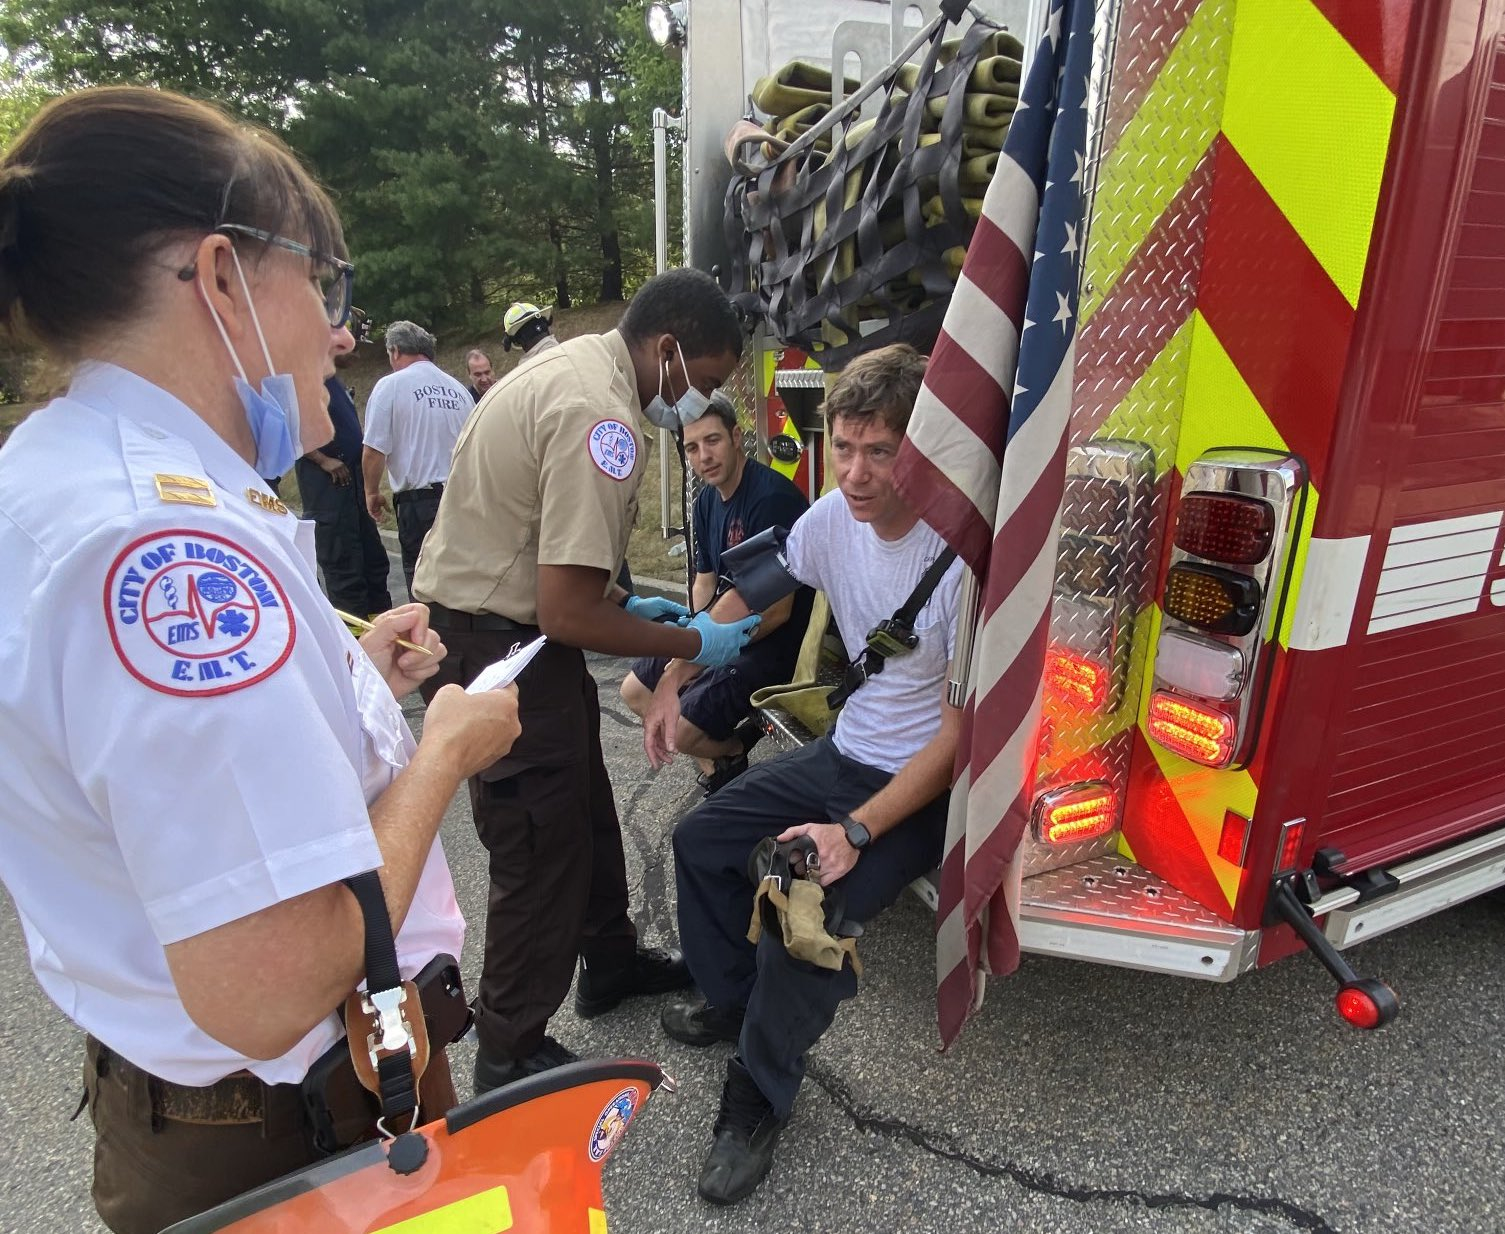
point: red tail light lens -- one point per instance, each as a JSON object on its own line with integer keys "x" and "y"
{"x": 1231, "y": 841}
{"x": 1290, "y": 846}
{"x": 1079, "y": 812}
{"x": 1193, "y": 730}
{"x": 1225, "y": 527}
{"x": 1211, "y": 599}
{"x": 1076, "y": 679}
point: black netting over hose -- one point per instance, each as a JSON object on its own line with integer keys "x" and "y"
{"x": 850, "y": 243}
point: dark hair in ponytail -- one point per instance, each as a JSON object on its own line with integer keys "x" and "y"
{"x": 100, "y": 180}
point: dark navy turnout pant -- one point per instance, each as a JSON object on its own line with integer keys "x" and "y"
{"x": 789, "y": 1003}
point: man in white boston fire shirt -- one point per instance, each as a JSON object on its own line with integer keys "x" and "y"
{"x": 413, "y": 416}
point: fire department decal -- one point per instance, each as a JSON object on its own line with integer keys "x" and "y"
{"x": 612, "y": 1124}
{"x": 195, "y": 614}
{"x": 613, "y": 448}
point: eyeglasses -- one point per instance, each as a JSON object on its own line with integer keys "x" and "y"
{"x": 337, "y": 279}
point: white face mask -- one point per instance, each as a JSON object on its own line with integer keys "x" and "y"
{"x": 272, "y": 412}
{"x": 690, "y": 406}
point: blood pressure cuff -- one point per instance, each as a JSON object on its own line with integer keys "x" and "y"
{"x": 758, "y": 569}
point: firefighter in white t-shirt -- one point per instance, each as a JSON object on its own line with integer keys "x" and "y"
{"x": 871, "y": 794}
{"x": 413, "y": 417}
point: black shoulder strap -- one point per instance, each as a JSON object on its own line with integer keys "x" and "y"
{"x": 924, "y": 589}
{"x": 871, "y": 661}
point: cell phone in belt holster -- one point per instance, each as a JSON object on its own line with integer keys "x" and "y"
{"x": 331, "y": 1092}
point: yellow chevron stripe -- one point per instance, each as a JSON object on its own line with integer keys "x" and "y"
{"x": 1151, "y": 411}
{"x": 488, "y": 1212}
{"x": 598, "y": 1221}
{"x": 1221, "y": 410}
{"x": 1313, "y": 121}
{"x": 1160, "y": 148}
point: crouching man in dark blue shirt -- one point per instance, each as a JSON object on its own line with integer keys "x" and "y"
{"x": 741, "y": 497}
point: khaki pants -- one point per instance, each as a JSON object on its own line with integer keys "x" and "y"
{"x": 151, "y": 1171}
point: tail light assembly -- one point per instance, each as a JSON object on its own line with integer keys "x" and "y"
{"x": 1075, "y": 812}
{"x": 1233, "y": 544}
{"x": 1101, "y": 583}
{"x": 1110, "y": 489}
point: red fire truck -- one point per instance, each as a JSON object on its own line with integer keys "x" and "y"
{"x": 1275, "y": 696}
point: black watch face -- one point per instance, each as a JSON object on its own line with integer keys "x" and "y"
{"x": 857, "y": 833}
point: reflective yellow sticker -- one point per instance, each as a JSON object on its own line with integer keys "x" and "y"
{"x": 488, "y": 1212}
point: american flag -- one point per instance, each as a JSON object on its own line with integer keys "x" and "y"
{"x": 985, "y": 464}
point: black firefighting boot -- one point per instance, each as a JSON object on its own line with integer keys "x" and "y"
{"x": 650, "y": 971}
{"x": 746, "y": 1132}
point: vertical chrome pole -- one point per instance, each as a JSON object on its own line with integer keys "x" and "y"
{"x": 663, "y": 122}
{"x": 968, "y": 614}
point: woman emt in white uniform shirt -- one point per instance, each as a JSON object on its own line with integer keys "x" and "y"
{"x": 195, "y": 751}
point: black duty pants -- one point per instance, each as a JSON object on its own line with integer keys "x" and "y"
{"x": 789, "y": 1003}
{"x": 546, "y": 815}
{"x": 416, "y": 509}
{"x": 348, "y": 545}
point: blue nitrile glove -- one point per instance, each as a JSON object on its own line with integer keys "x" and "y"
{"x": 721, "y": 642}
{"x": 656, "y": 608}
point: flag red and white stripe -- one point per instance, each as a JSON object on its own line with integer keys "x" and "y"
{"x": 985, "y": 462}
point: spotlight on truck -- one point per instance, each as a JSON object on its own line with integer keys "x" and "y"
{"x": 666, "y": 25}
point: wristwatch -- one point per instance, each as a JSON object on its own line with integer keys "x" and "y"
{"x": 858, "y": 836}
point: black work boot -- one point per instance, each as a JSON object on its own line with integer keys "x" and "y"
{"x": 650, "y": 971}
{"x": 697, "y": 1023}
{"x": 494, "y": 1072}
{"x": 746, "y": 1131}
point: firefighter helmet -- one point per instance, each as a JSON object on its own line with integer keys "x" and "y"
{"x": 524, "y": 324}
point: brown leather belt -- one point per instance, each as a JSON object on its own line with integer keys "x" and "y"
{"x": 238, "y": 1099}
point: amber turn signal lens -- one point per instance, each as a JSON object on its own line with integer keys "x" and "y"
{"x": 1211, "y": 599}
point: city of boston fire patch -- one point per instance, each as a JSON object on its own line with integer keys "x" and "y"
{"x": 192, "y": 613}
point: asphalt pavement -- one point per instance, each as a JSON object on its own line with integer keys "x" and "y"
{"x": 1081, "y": 1098}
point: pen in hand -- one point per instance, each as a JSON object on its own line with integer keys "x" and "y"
{"x": 361, "y": 624}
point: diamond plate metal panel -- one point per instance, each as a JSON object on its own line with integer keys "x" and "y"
{"x": 1150, "y": 193}
{"x": 1118, "y": 890}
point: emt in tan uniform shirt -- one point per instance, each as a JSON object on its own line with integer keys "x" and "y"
{"x": 531, "y": 531}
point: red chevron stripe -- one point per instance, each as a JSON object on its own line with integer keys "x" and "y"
{"x": 1152, "y": 299}
{"x": 1377, "y": 29}
{"x": 1282, "y": 320}
{"x": 1161, "y": 835}
{"x": 1152, "y": 29}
